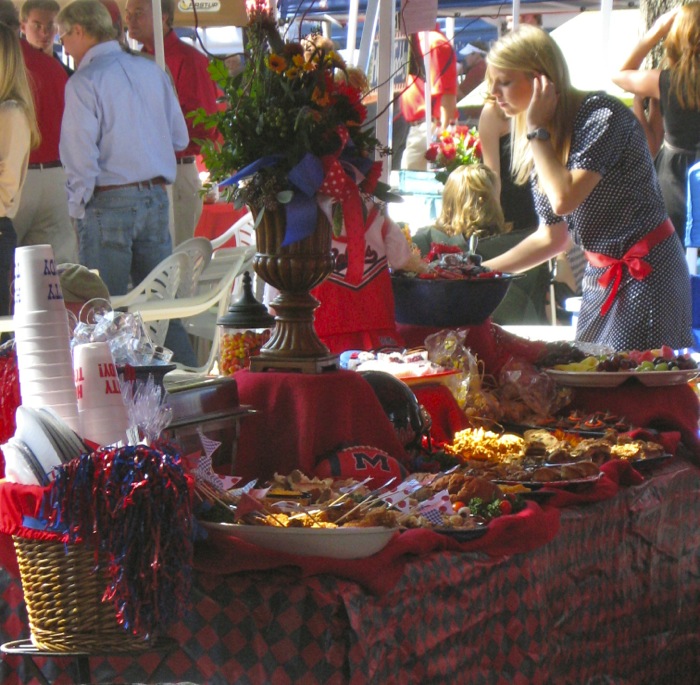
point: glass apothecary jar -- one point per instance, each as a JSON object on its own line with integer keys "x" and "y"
{"x": 243, "y": 330}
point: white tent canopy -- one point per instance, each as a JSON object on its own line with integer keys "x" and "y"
{"x": 591, "y": 57}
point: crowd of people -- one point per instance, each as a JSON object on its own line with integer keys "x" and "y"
{"x": 566, "y": 170}
{"x": 108, "y": 176}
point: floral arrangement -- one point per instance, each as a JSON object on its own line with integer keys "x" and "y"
{"x": 452, "y": 150}
{"x": 293, "y": 129}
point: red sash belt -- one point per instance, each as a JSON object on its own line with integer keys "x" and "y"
{"x": 632, "y": 259}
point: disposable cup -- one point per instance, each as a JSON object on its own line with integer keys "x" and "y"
{"x": 42, "y": 386}
{"x": 36, "y": 372}
{"x": 42, "y": 316}
{"x": 104, "y": 394}
{"x": 104, "y": 413}
{"x": 50, "y": 343}
{"x": 29, "y": 331}
{"x": 47, "y": 398}
{"x": 38, "y": 293}
{"x": 29, "y": 358}
{"x": 103, "y": 432}
{"x": 93, "y": 353}
{"x": 33, "y": 262}
{"x": 95, "y": 375}
{"x": 28, "y": 361}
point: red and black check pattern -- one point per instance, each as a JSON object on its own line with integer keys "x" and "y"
{"x": 613, "y": 598}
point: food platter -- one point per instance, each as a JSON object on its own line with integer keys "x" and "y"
{"x": 651, "y": 461}
{"x": 334, "y": 543}
{"x": 611, "y": 379}
{"x": 427, "y": 379}
{"x": 575, "y": 483}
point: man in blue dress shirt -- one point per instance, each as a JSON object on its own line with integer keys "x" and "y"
{"x": 121, "y": 127}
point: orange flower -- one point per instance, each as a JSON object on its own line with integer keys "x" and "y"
{"x": 277, "y": 63}
{"x": 320, "y": 98}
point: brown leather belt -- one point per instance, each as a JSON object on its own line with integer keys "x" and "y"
{"x": 45, "y": 165}
{"x": 157, "y": 181}
{"x": 186, "y": 160}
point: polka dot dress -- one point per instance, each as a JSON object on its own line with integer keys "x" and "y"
{"x": 624, "y": 207}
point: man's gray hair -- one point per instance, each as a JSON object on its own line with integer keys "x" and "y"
{"x": 92, "y": 15}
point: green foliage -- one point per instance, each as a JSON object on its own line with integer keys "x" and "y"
{"x": 284, "y": 103}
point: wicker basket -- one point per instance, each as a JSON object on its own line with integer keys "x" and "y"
{"x": 64, "y": 600}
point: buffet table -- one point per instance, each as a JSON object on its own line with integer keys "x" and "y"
{"x": 612, "y": 598}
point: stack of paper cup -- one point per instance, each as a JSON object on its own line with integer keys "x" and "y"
{"x": 42, "y": 335}
{"x": 103, "y": 416}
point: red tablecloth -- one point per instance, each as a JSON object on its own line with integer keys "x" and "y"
{"x": 216, "y": 219}
{"x": 612, "y": 598}
{"x": 304, "y": 416}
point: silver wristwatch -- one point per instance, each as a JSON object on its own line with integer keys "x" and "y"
{"x": 538, "y": 134}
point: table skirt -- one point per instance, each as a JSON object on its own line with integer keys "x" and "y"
{"x": 612, "y": 599}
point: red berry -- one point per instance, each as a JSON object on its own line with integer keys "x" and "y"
{"x": 506, "y": 507}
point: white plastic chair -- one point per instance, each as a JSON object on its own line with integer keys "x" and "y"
{"x": 200, "y": 312}
{"x": 241, "y": 230}
{"x": 158, "y": 288}
{"x": 199, "y": 251}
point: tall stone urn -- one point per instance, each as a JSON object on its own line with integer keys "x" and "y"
{"x": 294, "y": 270}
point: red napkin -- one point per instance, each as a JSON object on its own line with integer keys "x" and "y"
{"x": 668, "y": 439}
{"x": 530, "y": 528}
{"x": 447, "y": 417}
{"x": 673, "y": 408}
{"x": 616, "y": 473}
{"x": 17, "y": 501}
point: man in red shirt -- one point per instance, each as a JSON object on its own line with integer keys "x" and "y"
{"x": 443, "y": 78}
{"x": 42, "y": 217}
{"x": 195, "y": 89}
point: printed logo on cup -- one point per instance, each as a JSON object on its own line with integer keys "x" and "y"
{"x": 36, "y": 285}
{"x": 108, "y": 383}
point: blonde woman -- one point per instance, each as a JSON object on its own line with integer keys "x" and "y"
{"x": 677, "y": 87}
{"x": 470, "y": 207}
{"x": 594, "y": 183}
{"x": 19, "y": 133}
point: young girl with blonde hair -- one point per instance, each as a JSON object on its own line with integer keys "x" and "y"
{"x": 594, "y": 183}
{"x": 19, "y": 133}
{"x": 470, "y": 207}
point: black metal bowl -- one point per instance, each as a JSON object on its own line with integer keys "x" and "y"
{"x": 444, "y": 303}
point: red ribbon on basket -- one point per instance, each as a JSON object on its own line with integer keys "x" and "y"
{"x": 632, "y": 259}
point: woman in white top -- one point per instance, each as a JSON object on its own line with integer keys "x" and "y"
{"x": 19, "y": 133}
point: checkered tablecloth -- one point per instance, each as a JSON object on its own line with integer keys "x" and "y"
{"x": 614, "y": 598}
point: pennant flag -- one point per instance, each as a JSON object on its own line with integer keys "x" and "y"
{"x": 440, "y": 501}
{"x": 210, "y": 446}
{"x": 432, "y": 515}
{"x": 246, "y": 505}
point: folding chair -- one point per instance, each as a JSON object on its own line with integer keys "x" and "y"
{"x": 160, "y": 286}
{"x": 200, "y": 312}
{"x": 199, "y": 251}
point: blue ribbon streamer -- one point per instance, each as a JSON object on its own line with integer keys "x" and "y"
{"x": 301, "y": 212}
{"x": 262, "y": 163}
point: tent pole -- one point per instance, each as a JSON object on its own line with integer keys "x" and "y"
{"x": 425, "y": 42}
{"x": 158, "y": 34}
{"x": 369, "y": 30}
{"x": 351, "y": 45}
{"x": 516, "y": 14}
{"x": 385, "y": 90}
